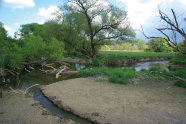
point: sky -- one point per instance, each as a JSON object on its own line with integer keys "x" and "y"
{"x": 14, "y": 13}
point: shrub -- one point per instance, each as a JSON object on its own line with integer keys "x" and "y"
{"x": 114, "y": 75}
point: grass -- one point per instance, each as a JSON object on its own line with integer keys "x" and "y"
{"x": 114, "y": 75}
{"x": 159, "y": 77}
{"x": 179, "y": 60}
{"x": 112, "y": 56}
{"x": 128, "y": 55}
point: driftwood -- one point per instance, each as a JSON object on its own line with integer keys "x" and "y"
{"x": 63, "y": 68}
{"x": 169, "y": 75}
{"x": 30, "y": 87}
{"x": 53, "y": 70}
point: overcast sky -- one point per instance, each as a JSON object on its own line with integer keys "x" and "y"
{"x": 14, "y": 13}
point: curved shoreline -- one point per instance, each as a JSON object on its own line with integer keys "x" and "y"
{"x": 65, "y": 107}
{"x": 76, "y": 95}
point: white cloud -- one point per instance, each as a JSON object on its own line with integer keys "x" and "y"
{"x": 7, "y": 28}
{"x": 49, "y": 12}
{"x": 19, "y": 3}
{"x": 41, "y": 22}
{"x": 140, "y": 12}
{"x": 183, "y": 2}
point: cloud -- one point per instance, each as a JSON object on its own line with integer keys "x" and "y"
{"x": 183, "y": 2}
{"x": 19, "y": 3}
{"x": 41, "y": 22}
{"x": 140, "y": 11}
{"x": 7, "y": 28}
{"x": 48, "y": 13}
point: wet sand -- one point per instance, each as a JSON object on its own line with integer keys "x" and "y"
{"x": 104, "y": 102}
{"x": 16, "y": 108}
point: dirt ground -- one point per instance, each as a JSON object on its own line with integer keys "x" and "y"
{"x": 16, "y": 108}
{"x": 103, "y": 102}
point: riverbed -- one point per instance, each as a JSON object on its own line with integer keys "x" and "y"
{"x": 36, "y": 77}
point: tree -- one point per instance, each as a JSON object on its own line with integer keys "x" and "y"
{"x": 159, "y": 45}
{"x": 30, "y": 29}
{"x": 172, "y": 31}
{"x": 98, "y": 23}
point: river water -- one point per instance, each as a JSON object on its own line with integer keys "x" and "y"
{"x": 36, "y": 77}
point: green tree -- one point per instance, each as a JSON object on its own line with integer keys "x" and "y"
{"x": 30, "y": 29}
{"x": 141, "y": 45}
{"x": 96, "y": 23}
{"x": 159, "y": 45}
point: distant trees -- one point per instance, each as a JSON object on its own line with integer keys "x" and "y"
{"x": 127, "y": 44}
{"x": 91, "y": 24}
{"x": 159, "y": 45}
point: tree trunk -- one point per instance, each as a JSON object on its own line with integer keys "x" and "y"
{"x": 93, "y": 50}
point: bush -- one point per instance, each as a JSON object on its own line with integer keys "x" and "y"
{"x": 114, "y": 75}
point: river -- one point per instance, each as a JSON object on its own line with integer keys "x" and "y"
{"x": 36, "y": 77}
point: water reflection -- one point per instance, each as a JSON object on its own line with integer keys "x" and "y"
{"x": 146, "y": 65}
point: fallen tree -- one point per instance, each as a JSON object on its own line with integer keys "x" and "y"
{"x": 168, "y": 75}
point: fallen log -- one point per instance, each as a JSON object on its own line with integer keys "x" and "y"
{"x": 169, "y": 75}
{"x": 70, "y": 72}
{"x": 63, "y": 68}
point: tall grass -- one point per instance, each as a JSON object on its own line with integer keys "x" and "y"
{"x": 114, "y": 75}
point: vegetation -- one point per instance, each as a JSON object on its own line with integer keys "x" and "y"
{"x": 31, "y": 48}
{"x": 114, "y": 75}
{"x": 159, "y": 45}
{"x": 173, "y": 31}
{"x": 95, "y": 23}
{"x": 147, "y": 75}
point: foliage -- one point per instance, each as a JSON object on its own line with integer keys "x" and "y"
{"x": 31, "y": 46}
{"x": 179, "y": 60}
{"x": 30, "y": 29}
{"x": 159, "y": 45}
{"x": 159, "y": 77}
{"x": 89, "y": 32}
{"x": 114, "y": 75}
{"x": 127, "y": 44}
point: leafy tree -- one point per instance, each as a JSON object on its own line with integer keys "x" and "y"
{"x": 141, "y": 45}
{"x": 94, "y": 24}
{"x": 30, "y": 29}
{"x": 159, "y": 45}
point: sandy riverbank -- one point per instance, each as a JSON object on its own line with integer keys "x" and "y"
{"x": 103, "y": 102}
{"x": 16, "y": 108}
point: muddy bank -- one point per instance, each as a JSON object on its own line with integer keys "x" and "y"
{"x": 16, "y": 108}
{"x": 126, "y": 62}
{"x": 119, "y": 62}
{"x": 103, "y": 102}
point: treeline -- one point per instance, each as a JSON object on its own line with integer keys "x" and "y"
{"x": 153, "y": 45}
{"x": 82, "y": 28}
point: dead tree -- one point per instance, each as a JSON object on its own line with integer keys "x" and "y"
{"x": 172, "y": 31}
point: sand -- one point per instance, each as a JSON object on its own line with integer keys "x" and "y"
{"x": 16, "y": 108}
{"x": 104, "y": 102}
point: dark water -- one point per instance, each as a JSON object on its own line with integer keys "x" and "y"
{"x": 36, "y": 77}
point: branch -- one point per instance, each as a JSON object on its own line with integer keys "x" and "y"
{"x": 169, "y": 75}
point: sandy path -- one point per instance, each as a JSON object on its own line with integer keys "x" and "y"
{"x": 19, "y": 109}
{"x": 103, "y": 102}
